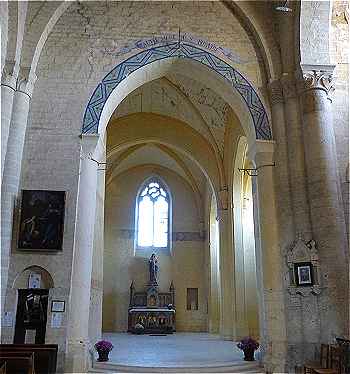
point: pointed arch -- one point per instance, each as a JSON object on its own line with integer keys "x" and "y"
{"x": 118, "y": 74}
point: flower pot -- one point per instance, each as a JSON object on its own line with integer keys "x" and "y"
{"x": 103, "y": 356}
{"x": 248, "y": 354}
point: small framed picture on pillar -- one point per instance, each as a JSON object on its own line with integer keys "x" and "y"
{"x": 58, "y": 306}
{"x": 303, "y": 274}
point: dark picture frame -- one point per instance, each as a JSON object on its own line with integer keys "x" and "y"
{"x": 304, "y": 274}
{"x": 41, "y": 222}
{"x": 58, "y": 306}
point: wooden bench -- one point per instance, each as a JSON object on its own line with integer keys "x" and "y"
{"x": 18, "y": 362}
{"x": 3, "y": 368}
{"x": 45, "y": 355}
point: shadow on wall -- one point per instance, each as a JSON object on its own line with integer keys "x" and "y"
{"x": 139, "y": 267}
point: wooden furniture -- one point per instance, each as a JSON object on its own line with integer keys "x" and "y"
{"x": 18, "y": 362}
{"x": 345, "y": 344}
{"x": 322, "y": 363}
{"x": 3, "y": 368}
{"x": 153, "y": 310}
{"x": 45, "y": 355}
{"x": 336, "y": 362}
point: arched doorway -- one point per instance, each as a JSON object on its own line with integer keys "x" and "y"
{"x": 203, "y": 151}
{"x": 32, "y": 285}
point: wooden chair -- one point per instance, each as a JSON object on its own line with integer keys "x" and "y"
{"x": 336, "y": 362}
{"x": 324, "y": 361}
{"x": 18, "y": 363}
{"x": 345, "y": 344}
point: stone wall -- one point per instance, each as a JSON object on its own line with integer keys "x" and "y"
{"x": 339, "y": 46}
{"x": 4, "y": 30}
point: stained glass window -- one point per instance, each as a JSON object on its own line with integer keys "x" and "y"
{"x": 153, "y": 215}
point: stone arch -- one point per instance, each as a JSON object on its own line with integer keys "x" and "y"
{"x": 62, "y": 7}
{"x": 21, "y": 279}
{"x": 97, "y": 103}
{"x": 156, "y": 129}
{"x": 259, "y": 33}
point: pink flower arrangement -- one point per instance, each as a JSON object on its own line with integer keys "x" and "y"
{"x": 103, "y": 346}
{"x": 248, "y": 343}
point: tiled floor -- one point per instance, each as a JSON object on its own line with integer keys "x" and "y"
{"x": 175, "y": 350}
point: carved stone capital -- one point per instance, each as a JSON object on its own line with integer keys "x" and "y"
{"x": 275, "y": 92}
{"x": 26, "y": 81}
{"x": 8, "y": 77}
{"x": 318, "y": 77}
{"x": 289, "y": 86}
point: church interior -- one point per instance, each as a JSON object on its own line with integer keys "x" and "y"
{"x": 174, "y": 181}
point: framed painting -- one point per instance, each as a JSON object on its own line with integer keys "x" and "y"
{"x": 303, "y": 274}
{"x": 41, "y": 220}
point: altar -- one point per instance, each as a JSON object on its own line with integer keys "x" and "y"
{"x": 154, "y": 321}
{"x": 151, "y": 311}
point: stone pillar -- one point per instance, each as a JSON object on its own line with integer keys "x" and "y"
{"x": 79, "y": 300}
{"x": 226, "y": 265}
{"x": 12, "y": 168}
{"x": 269, "y": 259}
{"x": 95, "y": 317}
{"x": 8, "y": 89}
{"x": 283, "y": 190}
{"x": 292, "y": 208}
{"x": 328, "y": 223}
{"x": 214, "y": 272}
{"x": 239, "y": 281}
{"x": 296, "y": 156}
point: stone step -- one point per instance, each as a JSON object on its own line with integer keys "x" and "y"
{"x": 245, "y": 367}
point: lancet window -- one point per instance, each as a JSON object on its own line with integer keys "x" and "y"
{"x": 152, "y": 215}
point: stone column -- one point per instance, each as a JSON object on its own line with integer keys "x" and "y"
{"x": 226, "y": 265}
{"x": 95, "y": 317}
{"x": 239, "y": 281}
{"x": 291, "y": 198}
{"x": 269, "y": 259}
{"x": 328, "y": 223}
{"x": 79, "y": 300}
{"x": 296, "y": 158}
{"x": 8, "y": 89}
{"x": 12, "y": 167}
{"x": 283, "y": 190}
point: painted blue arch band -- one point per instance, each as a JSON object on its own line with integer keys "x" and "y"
{"x": 184, "y": 50}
